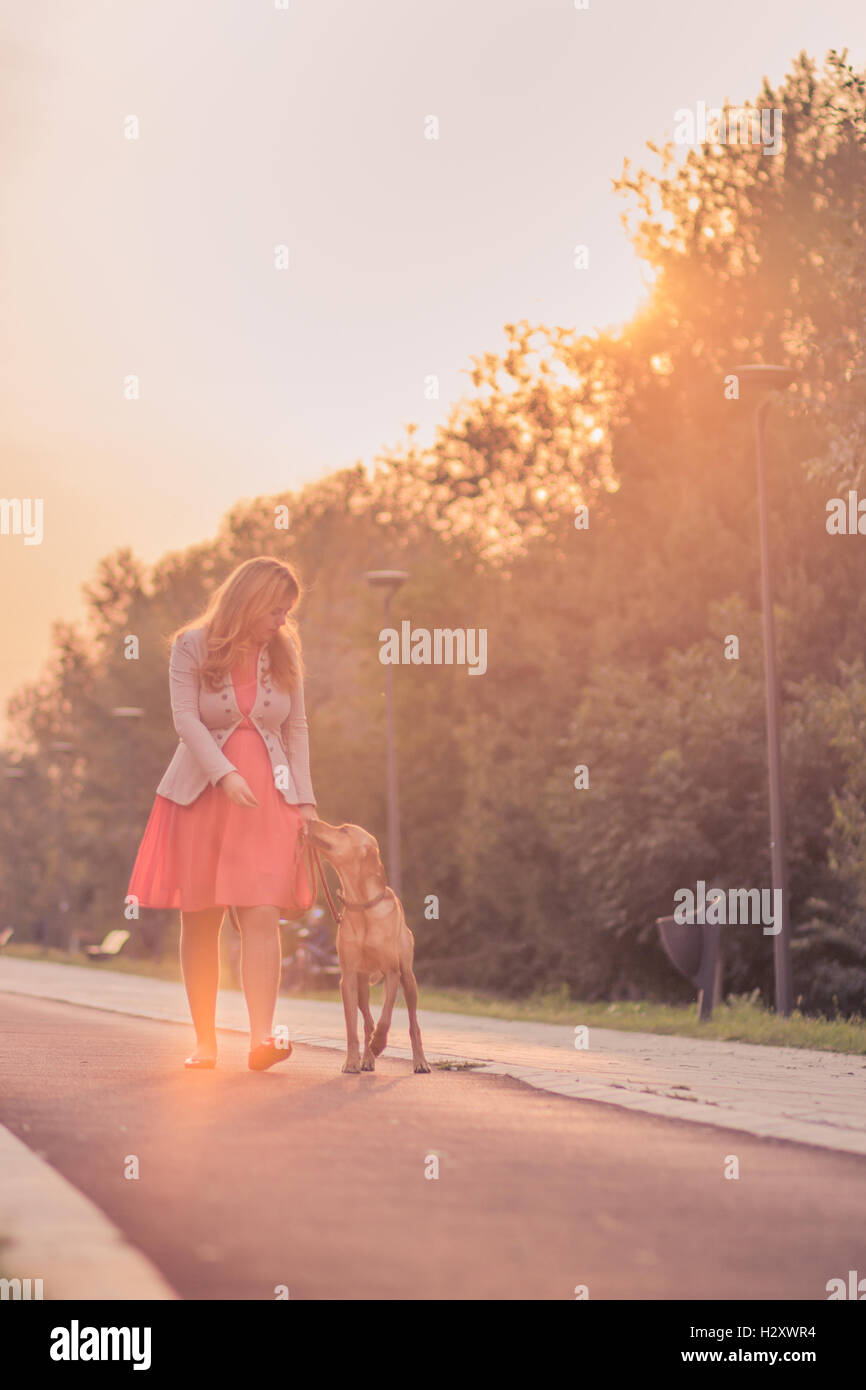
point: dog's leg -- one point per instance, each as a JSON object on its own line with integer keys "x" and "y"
{"x": 380, "y": 1036}
{"x": 349, "y": 991}
{"x": 410, "y": 994}
{"x": 368, "y": 1061}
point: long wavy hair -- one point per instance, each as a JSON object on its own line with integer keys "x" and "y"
{"x": 240, "y": 604}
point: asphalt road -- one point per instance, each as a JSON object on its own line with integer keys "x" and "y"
{"x": 307, "y": 1178}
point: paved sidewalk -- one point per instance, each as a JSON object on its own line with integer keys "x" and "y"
{"x": 782, "y": 1093}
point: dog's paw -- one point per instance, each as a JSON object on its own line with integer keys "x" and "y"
{"x": 378, "y": 1043}
{"x": 352, "y": 1065}
{"x": 368, "y": 1064}
{"x": 422, "y": 1066}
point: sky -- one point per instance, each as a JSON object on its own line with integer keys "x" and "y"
{"x": 306, "y": 126}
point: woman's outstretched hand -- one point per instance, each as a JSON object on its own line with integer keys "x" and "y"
{"x": 237, "y": 789}
{"x": 308, "y": 813}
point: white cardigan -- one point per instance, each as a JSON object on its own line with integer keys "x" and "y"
{"x": 204, "y": 719}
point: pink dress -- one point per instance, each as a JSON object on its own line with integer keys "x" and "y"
{"x": 213, "y": 853}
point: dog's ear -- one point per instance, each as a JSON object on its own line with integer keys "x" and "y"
{"x": 371, "y": 852}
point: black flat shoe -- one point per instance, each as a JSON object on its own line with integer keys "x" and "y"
{"x": 269, "y": 1052}
{"x": 200, "y": 1063}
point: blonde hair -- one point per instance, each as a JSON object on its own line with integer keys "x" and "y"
{"x": 239, "y": 604}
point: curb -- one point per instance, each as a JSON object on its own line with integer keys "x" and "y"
{"x": 53, "y": 1233}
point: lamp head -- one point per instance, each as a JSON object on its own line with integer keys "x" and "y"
{"x": 756, "y": 379}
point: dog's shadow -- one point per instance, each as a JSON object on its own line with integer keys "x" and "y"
{"x": 347, "y": 1082}
{"x": 346, "y": 1086}
{"x": 334, "y": 1094}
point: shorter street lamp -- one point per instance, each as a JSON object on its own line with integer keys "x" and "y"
{"x": 127, "y": 712}
{"x": 390, "y": 581}
{"x": 758, "y": 382}
{"x": 71, "y": 943}
{"x": 14, "y": 774}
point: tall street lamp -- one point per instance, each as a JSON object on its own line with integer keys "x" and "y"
{"x": 757, "y": 383}
{"x": 390, "y": 581}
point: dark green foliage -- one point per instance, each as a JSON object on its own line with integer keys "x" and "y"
{"x": 606, "y": 645}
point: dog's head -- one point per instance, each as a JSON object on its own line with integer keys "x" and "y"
{"x": 349, "y": 848}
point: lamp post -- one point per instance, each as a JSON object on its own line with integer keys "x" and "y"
{"x": 14, "y": 774}
{"x": 758, "y": 382}
{"x": 127, "y": 712}
{"x": 70, "y": 942}
{"x": 390, "y": 581}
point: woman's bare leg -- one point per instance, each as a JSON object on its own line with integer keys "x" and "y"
{"x": 200, "y": 963}
{"x": 260, "y": 967}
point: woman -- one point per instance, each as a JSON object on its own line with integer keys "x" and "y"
{"x": 230, "y": 812}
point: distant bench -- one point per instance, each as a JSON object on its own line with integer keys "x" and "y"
{"x": 111, "y": 945}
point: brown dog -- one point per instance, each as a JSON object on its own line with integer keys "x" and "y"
{"x": 372, "y": 939}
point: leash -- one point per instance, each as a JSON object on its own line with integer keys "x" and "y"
{"x": 315, "y": 862}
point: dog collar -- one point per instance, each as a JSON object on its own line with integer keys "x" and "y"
{"x": 371, "y": 902}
